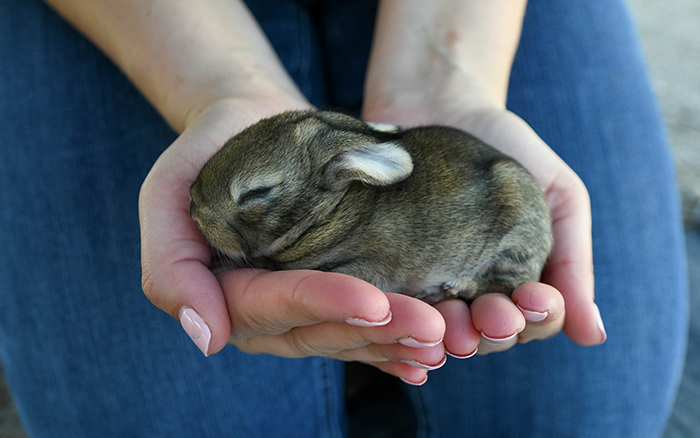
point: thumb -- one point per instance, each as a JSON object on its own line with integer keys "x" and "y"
{"x": 175, "y": 260}
{"x": 570, "y": 267}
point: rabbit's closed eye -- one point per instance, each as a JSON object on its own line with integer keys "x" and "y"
{"x": 253, "y": 195}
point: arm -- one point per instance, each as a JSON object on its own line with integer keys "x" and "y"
{"x": 448, "y": 62}
{"x": 184, "y": 57}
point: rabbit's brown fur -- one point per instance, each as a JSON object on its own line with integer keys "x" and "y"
{"x": 431, "y": 212}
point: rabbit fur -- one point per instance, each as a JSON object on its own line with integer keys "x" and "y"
{"x": 431, "y": 212}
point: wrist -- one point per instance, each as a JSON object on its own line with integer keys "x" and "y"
{"x": 208, "y": 127}
{"x": 253, "y": 85}
{"x": 443, "y": 101}
{"x": 427, "y": 56}
{"x": 243, "y": 109}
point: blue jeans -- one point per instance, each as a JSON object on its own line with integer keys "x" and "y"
{"x": 85, "y": 353}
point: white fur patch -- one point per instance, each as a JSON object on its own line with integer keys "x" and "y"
{"x": 382, "y": 163}
{"x": 384, "y": 127}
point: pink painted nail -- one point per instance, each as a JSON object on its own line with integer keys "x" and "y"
{"x": 359, "y": 322}
{"x": 499, "y": 340}
{"x": 196, "y": 328}
{"x": 414, "y": 383}
{"x": 422, "y": 366}
{"x": 410, "y": 342}
{"x": 464, "y": 357}
{"x": 532, "y": 316}
{"x": 601, "y": 326}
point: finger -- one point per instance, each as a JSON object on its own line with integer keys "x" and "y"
{"x": 427, "y": 358}
{"x": 338, "y": 341}
{"x": 498, "y": 320}
{"x": 461, "y": 338}
{"x": 542, "y": 307}
{"x": 411, "y": 319}
{"x": 570, "y": 266}
{"x": 264, "y": 303}
{"x": 174, "y": 263}
{"x": 418, "y": 325}
{"x": 408, "y": 374}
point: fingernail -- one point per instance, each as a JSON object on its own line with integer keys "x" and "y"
{"x": 464, "y": 357}
{"x": 359, "y": 322}
{"x": 414, "y": 383}
{"x": 196, "y": 328}
{"x": 499, "y": 340}
{"x": 532, "y": 316}
{"x": 422, "y": 366}
{"x": 601, "y": 327}
{"x": 410, "y": 342}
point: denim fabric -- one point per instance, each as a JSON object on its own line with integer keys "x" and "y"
{"x": 85, "y": 354}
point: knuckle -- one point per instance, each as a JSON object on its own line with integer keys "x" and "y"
{"x": 302, "y": 346}
{"x": 246, "y": 324}
{"x": 148, "y": 284}
{"x": 152, "y": 291}
{"x": 581, "y": 192}
{"x": 245, "y": 345}
{"x": 577, "y": 188}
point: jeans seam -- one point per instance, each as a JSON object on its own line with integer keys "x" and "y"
{"x": 328, "y": 407}
{"x": 424, "y": 425}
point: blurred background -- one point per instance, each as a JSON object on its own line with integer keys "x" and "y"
{"x": 670, "y": 33}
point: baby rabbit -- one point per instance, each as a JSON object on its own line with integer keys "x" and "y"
{"x": 430, "y": 212}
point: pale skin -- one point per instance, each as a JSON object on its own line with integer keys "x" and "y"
{"x": 210, "y": 72}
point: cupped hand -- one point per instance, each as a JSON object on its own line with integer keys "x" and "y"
{"x": 564, "y": 299}
{"x": 289, "y": 314}
{"x": 311, "y": 313}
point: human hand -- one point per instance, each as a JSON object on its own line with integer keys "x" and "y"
{"x": 210, "y": 72}
{"x": 449, "y": 63}
{"x": 289, "y": 314}
{"x": 564, "y": 298}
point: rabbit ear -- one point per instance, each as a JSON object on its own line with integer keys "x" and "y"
{"x": 379, "y": 164}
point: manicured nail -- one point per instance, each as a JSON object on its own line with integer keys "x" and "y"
{"x": 499, "y": 340}
{"x": 414, "y": 383}
{"x": 464, "y": 357}
{"x": 196, "y": 328}
{"x": 532, "y": 316}
{"x": 359, "y": 322}
{"x": 601, "y": 327}
{"x": 410, "y": 342}
{"x": 422, "y": 366}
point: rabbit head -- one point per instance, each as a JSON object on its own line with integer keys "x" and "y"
{"x": 281, "y": 176}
